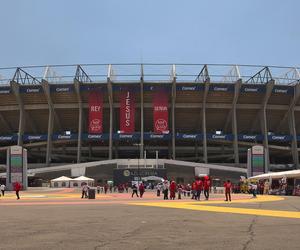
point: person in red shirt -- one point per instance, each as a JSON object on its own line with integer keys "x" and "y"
{"x": 199, "y": 188}
{"x": 227, "y": 187}
{"x": 142, "y": 189}
{"x": 172, "y": 190}
{"x": 17, "y": 188}
{"x": 206, "y": 187}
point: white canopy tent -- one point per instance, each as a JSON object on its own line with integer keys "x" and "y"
{"x": 61, "y": 182}
{"x": 77, "y": 182}
{"x": 153, "y": 178}
{"x": 278, "y": 175}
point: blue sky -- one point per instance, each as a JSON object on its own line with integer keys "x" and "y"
{"x": 35, "y": 32}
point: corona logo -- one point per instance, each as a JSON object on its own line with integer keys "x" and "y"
{"x": 161, "y": 124}
{"x": 95, "y": 124}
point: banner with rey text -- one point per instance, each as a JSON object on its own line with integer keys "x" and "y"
{"x": 95, "y": 112}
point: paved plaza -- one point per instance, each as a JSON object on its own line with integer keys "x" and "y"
{"x": 60, "y": 219}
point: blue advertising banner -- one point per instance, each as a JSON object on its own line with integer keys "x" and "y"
{"x": 125, "y": 137}
{"x": 287, "y": 90}
{"x": 221, "y": 87}
{"x": 5, "y": 90}
{"x": 154, "y": 88}
{"x": 8, "y": 138}
{"x": 280, "y": 138}
{"x": 121, "y": 88}
{"x": 152, "y": 136}
{"x": 243, "y": 137}
{"x": 42, "y": 137}
{"x": 31, "y": 89}
{"x": 253, "y": 88}
{"x": 191, "y": 137}
{"x": 61, "y": 88}
{"x": 56, "y": 137}
{"x": 190, "y": 88}
{"x": 95, "y": 137}
{"x": 89, "y": 87}
{"x": 227, "y": 137}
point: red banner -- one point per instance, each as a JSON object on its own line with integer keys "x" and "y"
{"x": 160, "y": 112}
{"x": 127, "y": 111}
{"x": 95, "y": 112}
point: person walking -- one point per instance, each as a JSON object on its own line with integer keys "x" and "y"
{"x": 141, "y": 189}
{"x": 227, "y": 187}
{"x": 134, "y": 190}
{"x": 172, "y": 190}
{"x": 2, "y": 188}
{"x": 206, "y": 187}
{"x": 199, "y": 188}
{"x": 98, "y": 189}
{"x": 253, "y": 188}
{"x": 17, "y": 188}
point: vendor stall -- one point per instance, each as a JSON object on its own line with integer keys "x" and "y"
{"x": 61, "y": 182}
{"x": 81, "y": 180}
{"x": 286, "y": 182}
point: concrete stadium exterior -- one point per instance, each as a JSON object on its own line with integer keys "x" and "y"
{"x": 215, "y": 113}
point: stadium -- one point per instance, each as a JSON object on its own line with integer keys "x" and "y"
{"x": 100, "y": 117}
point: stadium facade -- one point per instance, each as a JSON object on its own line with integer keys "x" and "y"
{"x": 196, "y": 113}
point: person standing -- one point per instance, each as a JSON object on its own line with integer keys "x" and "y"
{"x": 166, "y": 189}
{"x": 105, "y": 188}
{"x": 227, "y": 187}
{"x": 206, "y": 187}
{"x": 172, "y": 190}
{"x": 141, "y": 189}
{"x": 84, "y": 189}
{"x": 199, "y": 188}
{"x": 134, "y": 190}
{"x": 180, "y": 190}
{"x": 98, "y": 189}
{"x": 17, "y": 188}
{"x": 266, "y": 187}
{"x": 2, "y": 188}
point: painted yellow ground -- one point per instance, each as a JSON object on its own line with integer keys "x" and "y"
{"x": 204, "y": 206}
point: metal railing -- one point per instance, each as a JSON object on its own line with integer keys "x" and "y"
{"x": 151, "y": 72}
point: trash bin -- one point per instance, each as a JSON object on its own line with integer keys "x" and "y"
{"x": 92, "y": 193}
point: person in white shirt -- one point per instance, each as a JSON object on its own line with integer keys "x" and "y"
{"x": 2, "y": 188}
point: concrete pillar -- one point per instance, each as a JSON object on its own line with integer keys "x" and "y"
{"x": 15, "y": 89}
{"x": 264, "y": 125}
{"x": 292, "y": 128}
{"x": 142, "y": 117}
{"x": 173, "y": 119}
{"x": 111, "y": 113}
{"x": 53, "y": 117}
{"x": 234, "y": 122}
{"x": 49, "y": 138}
{"x": 204, "y": 122}
{"x": 80, "y": 110}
